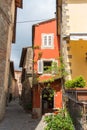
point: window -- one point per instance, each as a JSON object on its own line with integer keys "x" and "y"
{"x": 68, "y": 48}
{"x": 69, "y": 56}
{"x": 47, "y": 40}
{"x": 47, "y": 66}
{"x": 69, "y": 63}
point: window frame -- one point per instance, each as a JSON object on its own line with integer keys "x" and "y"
{"x": 47, "y": 36}
{"x": 41, "y": 64}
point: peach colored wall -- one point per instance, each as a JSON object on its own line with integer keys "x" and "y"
{"x": 47, "y": 27}
{"x": 53, "y": 53}
{"x": 58, "y": 98}
{"x": 58, "y": 94}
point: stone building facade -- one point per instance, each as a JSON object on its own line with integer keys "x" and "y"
{"x": 12, "y": 84}
{"x": 7, "y": 31}
{"x": 26, "y": 62}
{"x": 73, "y": 35}
{"x": 18, "y": 74}
{"x": 73, "y": 38}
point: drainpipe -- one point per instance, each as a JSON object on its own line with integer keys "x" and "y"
{"x": 59, "y": 5}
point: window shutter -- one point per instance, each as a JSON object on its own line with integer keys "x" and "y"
{"x": 40, "y": 66}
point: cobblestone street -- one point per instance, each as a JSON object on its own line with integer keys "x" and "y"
{"x": 17, "y": 119}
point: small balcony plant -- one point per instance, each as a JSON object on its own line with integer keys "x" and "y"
{"x": 39, "y": 55}
{"x": 36, "y": 47}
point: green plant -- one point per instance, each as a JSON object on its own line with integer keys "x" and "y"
{"x": 78, "y": 82}
{"x": 28, "y": 106}
{"x": 58, "y": 70}
{"x": 61, "y": 68}
{"x": 48, "y": 93}
{"x": 36, "y": 47}
{"x": 61, "y": 121}
{"x": 39, "y": 55}
{"x": 34, "y": 62}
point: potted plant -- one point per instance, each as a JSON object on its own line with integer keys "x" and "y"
{"x": 36, "y": 47}
{"x": 39, "y": 55}
{"x": 78, "y": 82}
{"x": 75, "y": 88}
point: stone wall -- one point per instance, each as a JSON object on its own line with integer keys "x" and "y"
{"x": 6, "y": 27}
{"x": 78, "y": 114}
{"x": 26, "y": 96}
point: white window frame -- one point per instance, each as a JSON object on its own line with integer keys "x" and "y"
{"x": 44, "y": 46}
{"x": 41, "y": 67}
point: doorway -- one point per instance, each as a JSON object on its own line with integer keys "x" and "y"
{"x": 47, "y": 100}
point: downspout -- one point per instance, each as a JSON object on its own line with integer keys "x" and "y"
{"x": 61, "y": 53}
{"x": 59, "y": 24}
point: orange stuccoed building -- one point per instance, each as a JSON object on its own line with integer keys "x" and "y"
{"x": 47, "y": 90}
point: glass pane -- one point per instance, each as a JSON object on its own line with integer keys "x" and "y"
{"x": 47, "y": 66}
{"x": 49, "y": 40}
{"x": 45, "y": 40}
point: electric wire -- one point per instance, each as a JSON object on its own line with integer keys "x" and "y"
{"x": 29, "y": 21}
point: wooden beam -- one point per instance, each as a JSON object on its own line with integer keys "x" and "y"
{"x": 18, "y": 3}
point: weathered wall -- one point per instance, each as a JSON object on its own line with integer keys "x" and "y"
{"x": 73, "y": 17}
{"x": 26, "y": 64}
{"x": 18, "y": 78}
{"x": 27, "y": 94}
{"x": 73, "y": 23}
{"x": 6, "y": 25}
{"x": 78, "y": 114}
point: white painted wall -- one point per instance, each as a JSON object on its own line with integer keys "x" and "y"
{"x": 78, "y": 18}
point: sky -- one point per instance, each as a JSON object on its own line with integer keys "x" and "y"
{"x": 34, "y": 11}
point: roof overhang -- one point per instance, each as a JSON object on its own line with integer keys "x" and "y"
{"x": 36, "y": 25}
{"x": 76, "y": 1}
{"x": 12, "y": 68}
{"x": 18, "y": 4}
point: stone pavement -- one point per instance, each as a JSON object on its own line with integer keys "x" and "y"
{"x": 17, "y": 119}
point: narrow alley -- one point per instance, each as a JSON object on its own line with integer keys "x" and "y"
{"x": 17, "y": 119}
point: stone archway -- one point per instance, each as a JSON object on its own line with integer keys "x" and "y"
{"x": 47, "y": 100}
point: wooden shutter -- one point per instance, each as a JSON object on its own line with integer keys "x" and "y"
{"x": 40, "y": 66}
